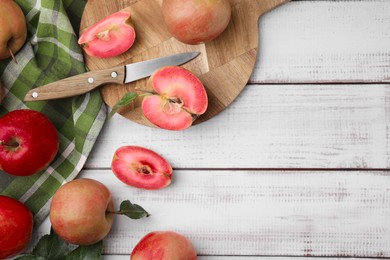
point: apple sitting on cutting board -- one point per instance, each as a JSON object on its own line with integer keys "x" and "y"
{"x": 28, "y": 142}
{"x": 13, "y": 32}
{"x": 16, "y": 226}
{"x": 196, "y": 21}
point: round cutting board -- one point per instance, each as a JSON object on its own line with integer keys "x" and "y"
{"x": 224, "y": 65}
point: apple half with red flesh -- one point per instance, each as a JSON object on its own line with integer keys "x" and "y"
{"x": 141, "y": 168}
{"x": 179, "y": 98}
{"x": 28, "y": 142}
{"x": 16, "y": 226}
{"x": 110, "y": 36}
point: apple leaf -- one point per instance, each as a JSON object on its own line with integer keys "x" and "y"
{"x": 91, "y": 252}
{"x": 131, "y": 210}
{"x": 29, "y": 257}
{"x": 124, "y": 101}
{"x": 52, "y": 247}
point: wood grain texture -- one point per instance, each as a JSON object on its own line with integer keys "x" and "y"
{"x": 248, "y": 214}
{"x": 260, "y": 213}
{"x": 224, "y": 66}
{"x": 325, "y": 41}
{"x": 272, "y": 126}
{"x": 126, "y": 257}
{"x": 77, "y": 85}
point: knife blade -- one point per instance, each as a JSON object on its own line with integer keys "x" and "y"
{"x": 88, "y": 81}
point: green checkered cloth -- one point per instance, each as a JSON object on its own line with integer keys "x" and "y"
{"x": 51, "y": 53}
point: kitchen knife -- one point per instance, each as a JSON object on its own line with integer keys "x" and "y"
{"x": 88, "y": 81}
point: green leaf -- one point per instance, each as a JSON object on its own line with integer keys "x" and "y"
{"x": 124, "y": 101}
{"x": 29, "y": 257}
{"x": 51, "y": 247}
{"x": 131, "y": 210}
{"x": 91, "y": 252}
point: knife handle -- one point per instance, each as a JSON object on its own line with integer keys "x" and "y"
{"x": 77, "y": 85}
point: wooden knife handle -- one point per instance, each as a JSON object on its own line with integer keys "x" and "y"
{"x": 77, "y": 85}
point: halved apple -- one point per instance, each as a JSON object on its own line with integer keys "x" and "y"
{"x": 110, "y": 36}
{"x": 141, "y": 168}
{"x": 179, "y": 98}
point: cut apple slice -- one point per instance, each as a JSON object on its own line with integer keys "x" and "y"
{"x": 110, "y": 36}
{"x": 141, "y": 168}
{"x": 179, "y": 98}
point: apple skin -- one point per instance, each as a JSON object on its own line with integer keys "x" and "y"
{"x": 79, "y": 211}
{"x": 164, "y": 245}
{"x": 196, "y": 21}
{"x": 28, "y": 142}
{"x": 16, "y": 227}
{"x": 13, "y": 26}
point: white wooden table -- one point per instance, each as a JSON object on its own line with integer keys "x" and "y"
{"x": 296, "y": 166}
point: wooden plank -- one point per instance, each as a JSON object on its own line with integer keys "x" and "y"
{"x": 325, "y": 41}
{"x": 272, "y": 126}
{"x": 126, "y": 257}
{"x": 260, "y": 213}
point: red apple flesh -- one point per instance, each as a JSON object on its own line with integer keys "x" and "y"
{"x": 28, "y": 142}
{"x": 13, "y": 28}
{"x": 196, "y": 21}
{"x": 180, "y": 98}
{"x": 164, "y": 245}
{"x": 110, "y": 36}
{"x": 80, "y": 211}
{"x": 141, "y": 168}
{"x": 16, "y": 227}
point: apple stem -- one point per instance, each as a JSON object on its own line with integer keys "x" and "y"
{"x": 12, "y": 55}
{"x": 145, "y": 92}
{"x": 8, "y": 144}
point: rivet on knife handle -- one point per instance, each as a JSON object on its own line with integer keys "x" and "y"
{"x": 77, "y": 85}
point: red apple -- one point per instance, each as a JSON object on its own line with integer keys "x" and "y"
{"x": 13, "y": 28}
{"x": 16, "y": 227}
{"x": 28, "y": 142}
{"x": 80, "y": 211}
{"x": 164, "y": 245}
{"x": 142, "y": 168}
{"x": 179, "y": 98}
{"x": 110, "y": 36}
{"x": 196, "y": 21}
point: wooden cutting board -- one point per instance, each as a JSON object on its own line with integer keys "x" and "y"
{"x": 224, "y": 65}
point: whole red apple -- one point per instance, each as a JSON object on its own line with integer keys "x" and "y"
{"x": 80, "y": 211}
{"x": 28, "y": 142}
{"x": 164, "y": 245}
{"x": 13, "y": 28}
{"x": 16, "y": 226}
{"x": 196, "y": 21}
